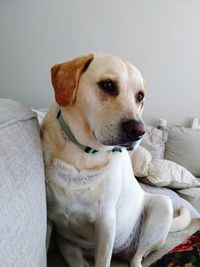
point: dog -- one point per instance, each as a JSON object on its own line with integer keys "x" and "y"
{"x": 95, "y": 203}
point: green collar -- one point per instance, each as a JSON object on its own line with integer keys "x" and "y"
{"x": 69, "y": 133}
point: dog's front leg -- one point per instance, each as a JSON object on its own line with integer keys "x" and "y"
{"x": 104, "y": 238}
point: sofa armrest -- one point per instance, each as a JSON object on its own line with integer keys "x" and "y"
{"x": 22, "y": 188}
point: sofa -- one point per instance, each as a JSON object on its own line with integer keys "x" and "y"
{"x": 24, "y": 241}
{"x": 22, "y": 188}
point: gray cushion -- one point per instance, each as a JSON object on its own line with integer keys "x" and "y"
{"x": 154, "y": 141}
{"x": 183, "y": 147}
{"x": 192, "y": 195}
{"x": 22, "y": 188}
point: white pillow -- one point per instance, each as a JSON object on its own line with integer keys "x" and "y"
{"x": 140, "y": 161}
{"x": 167, "y": 173}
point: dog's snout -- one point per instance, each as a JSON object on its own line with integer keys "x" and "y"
{"x": 133, "y": 129}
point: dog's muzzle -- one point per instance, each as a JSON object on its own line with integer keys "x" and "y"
{"x": 133, "y": 132}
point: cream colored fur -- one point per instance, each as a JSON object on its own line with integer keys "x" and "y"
{"x": 94, "y": 200}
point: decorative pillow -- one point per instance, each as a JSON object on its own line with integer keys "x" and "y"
{"x": 140, "y": 161}
{"x": 167, "y": 173}
{"x": 192, "y": 195}
{"x": 154, "y": 141}
{"x": 183, "y": 147}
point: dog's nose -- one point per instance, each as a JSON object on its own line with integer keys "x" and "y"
{"x": 133, "y": 129}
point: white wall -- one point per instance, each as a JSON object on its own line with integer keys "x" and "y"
{"x": 162, "y": 38}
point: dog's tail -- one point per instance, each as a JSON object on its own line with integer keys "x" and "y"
{"x": 182, "y": 221}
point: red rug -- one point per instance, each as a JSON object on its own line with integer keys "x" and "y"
{"x": 187, "y": 254}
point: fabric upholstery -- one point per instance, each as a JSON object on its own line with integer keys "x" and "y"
{"x": 177, "y": 201}
{"x": 192, "y": 195}
{"x": 154, "y": 141}
{"x": 164, "y": 172}
{"x": 22, "y": 189}
{"x": 183, "y": 147}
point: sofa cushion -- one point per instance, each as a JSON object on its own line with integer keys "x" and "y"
{"x": 168, "y": 173}
{"x": 177, "y": 201}
{"x": 154, "y": 141}
{"x": 11, "y": 112}
{"x": 183, "y": 147}
{"x": 192, "y": 195}
{"x": 22, "y": 188}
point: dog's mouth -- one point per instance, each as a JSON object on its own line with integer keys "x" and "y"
{"x": 131, "y": 145}
{"x": 126, "y": 134}
{"x": 117, "y": 141}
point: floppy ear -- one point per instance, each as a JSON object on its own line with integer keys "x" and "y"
{"x": 65, "y": 78}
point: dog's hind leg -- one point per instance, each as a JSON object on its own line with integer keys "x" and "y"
{"x": 155, "y": 226}
{"x": 71, "y": 253}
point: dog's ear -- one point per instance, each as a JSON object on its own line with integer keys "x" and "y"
{"x": 65, "y": 78}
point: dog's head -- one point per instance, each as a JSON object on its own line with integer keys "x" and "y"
{"x": 107, "y": 93}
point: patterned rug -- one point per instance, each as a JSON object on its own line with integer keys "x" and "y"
{"x": 187, "y": 254}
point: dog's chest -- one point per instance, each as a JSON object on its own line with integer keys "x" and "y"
{"x": 72, "y": 192}
{"x": 77, "y": 199}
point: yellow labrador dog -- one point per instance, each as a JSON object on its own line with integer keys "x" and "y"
{"x": 94, "y": 201}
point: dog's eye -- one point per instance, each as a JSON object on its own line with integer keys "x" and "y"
{"x": 140, "y": 96}
{"x": 109, "y": 87}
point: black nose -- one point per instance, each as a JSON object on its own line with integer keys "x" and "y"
{"x": 133, "y": 129}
